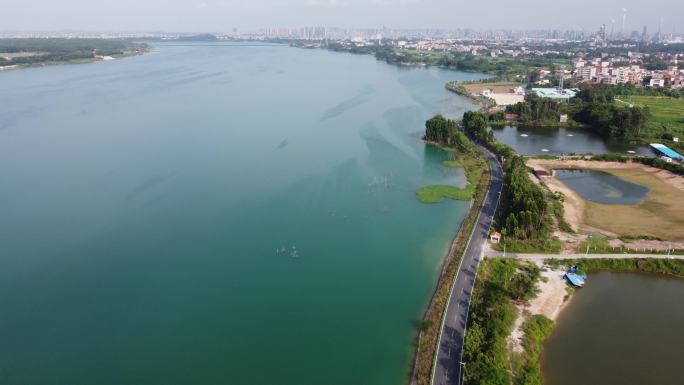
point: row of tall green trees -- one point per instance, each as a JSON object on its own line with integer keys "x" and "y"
{"x": 595, "y": 107}
{"x": 523, "y": 214}
{"x": 523, "y": 209}
{"x": 443, "y": 131}
{"x": 612, "y": 121}
{"x": 536, "y": 111}
{"x": 476, "y": 126}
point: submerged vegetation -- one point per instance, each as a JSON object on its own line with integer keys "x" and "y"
{"x": 445, "y": 132}
{"x": 436, "y": 193}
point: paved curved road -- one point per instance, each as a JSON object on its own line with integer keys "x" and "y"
{"x": 447, "y": 369}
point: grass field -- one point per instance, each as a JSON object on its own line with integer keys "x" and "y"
{"x": 665, "y": 111}
{"x": 660, "y": 215}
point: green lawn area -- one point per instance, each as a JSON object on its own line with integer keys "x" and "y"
{"x": 665, "y": 111}
{"x": 436, "y": 193}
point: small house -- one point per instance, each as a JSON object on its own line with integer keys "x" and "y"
{"x": 495, "y": 237}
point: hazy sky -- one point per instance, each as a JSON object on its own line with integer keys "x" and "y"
{"x": 223, "y": 15}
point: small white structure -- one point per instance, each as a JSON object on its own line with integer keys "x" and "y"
{"x": 487, "y": 92}
{"x": 495, "y": 237}
{"x": 657, "y": 83}
{"x": 563, "y": 118}
{"x": 666, "y": 158}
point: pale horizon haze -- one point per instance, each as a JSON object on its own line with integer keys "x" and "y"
{"x": 224, "y": 15}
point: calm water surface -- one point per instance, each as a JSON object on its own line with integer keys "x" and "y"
{"x": 620, "y": 329}
{"x": 602, "y": 187}
{"x": 219, "y": 215}
{"x": 556, "y": 141}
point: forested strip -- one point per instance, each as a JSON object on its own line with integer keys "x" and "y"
{"x": 486, "y": 354}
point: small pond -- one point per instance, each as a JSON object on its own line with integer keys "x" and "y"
{"x": 620, "y": 329}
{"x": 557, "y": 141}
{"x": 602, "y": 187}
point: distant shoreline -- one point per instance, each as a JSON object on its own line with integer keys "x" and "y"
{"x": 17, "y": 67}
{"x": 22, "y": 53}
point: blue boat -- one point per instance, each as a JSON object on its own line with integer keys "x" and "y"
{"x": 575, "y": 279}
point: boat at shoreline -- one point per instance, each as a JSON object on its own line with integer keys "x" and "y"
{"x": 575, "y": 279}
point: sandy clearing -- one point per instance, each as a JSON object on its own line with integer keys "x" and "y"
{"x": 573, "y": 204}
{"x": 497, "y": 87}
{"x": 549, "y": 302}
{"x": 506, "y": 99}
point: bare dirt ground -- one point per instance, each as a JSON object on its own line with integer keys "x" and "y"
{"x": 549, "y": 302}
{"x": 497, "y": 87}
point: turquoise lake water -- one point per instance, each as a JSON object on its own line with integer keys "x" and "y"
{"x": 219, "y": 215}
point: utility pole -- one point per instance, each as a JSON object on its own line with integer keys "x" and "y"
{"x": 586, "y": 254}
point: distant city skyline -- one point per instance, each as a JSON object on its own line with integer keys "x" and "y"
{"x": 226, "y": 15}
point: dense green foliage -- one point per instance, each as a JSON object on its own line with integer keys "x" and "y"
{"x": 440, "y": 130}
{"x": 610, "y": 120}
{"x": 595, "y": 106}
{"x": 674, "y": 267}
{"x": 537, "y": 111}
{"x": 63, "y": 50}
{"x": 537, "y": 329}
{"x": 475, "y": 125}
{"x": 597, "y": 93}
{"x": 523, "y": 209}
{"x": 491, "y": 317}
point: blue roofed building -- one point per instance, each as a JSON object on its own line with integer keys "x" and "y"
{"x": 554, "y": 93}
